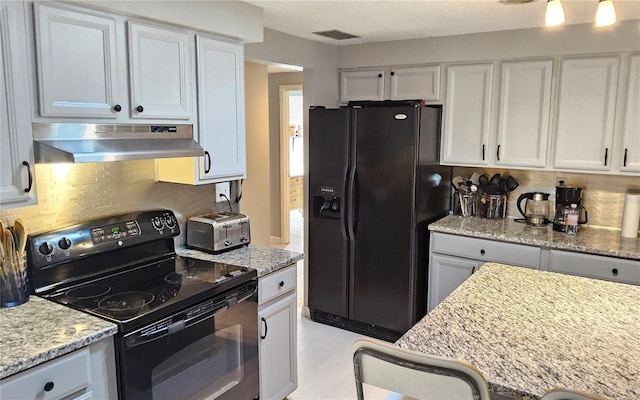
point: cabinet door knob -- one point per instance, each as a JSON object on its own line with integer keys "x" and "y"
{"x": 140, "y": 108}
{"x": 482, "y": 251}
{"x": 117, "y": 108}
{"x": 614, "y": 271}
{"x": 379, "y": 75}
{"x": 48, "y": 386}
{"x": 26, "y": 164}
{"x": 281, "y": 284}
{"x": 392, "y": 73}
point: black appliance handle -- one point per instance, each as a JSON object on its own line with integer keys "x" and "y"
{"x": 147, "y": 336}
{"x": 522, "y": 196}
{"x": 586, "y": 216}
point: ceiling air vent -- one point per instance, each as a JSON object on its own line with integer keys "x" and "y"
{"x": 336, "y": 34}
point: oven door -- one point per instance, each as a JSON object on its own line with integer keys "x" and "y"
{"x": 208, "y": 351}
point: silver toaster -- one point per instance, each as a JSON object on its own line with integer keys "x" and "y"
{"x": 218, "y": 232}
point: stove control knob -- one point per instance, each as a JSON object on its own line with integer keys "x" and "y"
{"x": 64, "y": 243}
{"x": 170, "y": 222}
{"x": 158, "y": 223}
{"x": 45, "y": 248}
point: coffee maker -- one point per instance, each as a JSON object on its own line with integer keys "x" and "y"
{"x": 565, "y": 197}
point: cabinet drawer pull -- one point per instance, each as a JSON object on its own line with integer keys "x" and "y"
{"x": 498, "y": 153}
{"x": 264, "y": 322}
{"x": 482, "y": 251}
{"x": 281, "y": 284}
{"x": 48, "y": 386}
{"x": 606, "y": 155}
{"x": 482, "y": 152}
{"x": 140, "y": 109}
{"x": 26, "y": 164}
{"x": 624, "y": 163}
{"x": 473, "y": 270}
{"x": 614, "y": 271}
{"x": 117, "y": 108}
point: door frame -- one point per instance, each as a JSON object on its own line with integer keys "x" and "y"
{"x": 285, "y": 220}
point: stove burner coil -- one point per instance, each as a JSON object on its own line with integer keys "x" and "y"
{"x": 126, "y": 303}
{"x": 88, "y": 292}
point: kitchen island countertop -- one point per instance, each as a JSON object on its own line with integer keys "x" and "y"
{"x": 40, "y": 330}
{"x": 529, "y": 331}
{"x": 592, "y": 240}
{"x": 263, "y": 259}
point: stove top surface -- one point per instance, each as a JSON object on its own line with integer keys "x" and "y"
{"x": 151, "y": 291}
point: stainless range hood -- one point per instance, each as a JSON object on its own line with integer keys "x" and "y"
{"x": 84, "y": 143}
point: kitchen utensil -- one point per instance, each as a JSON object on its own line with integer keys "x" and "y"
{"x": 456, "y": 181}
{"x": 495, "y": 180}
{"x": 475, "y": 178}
{"x": 21, "y": 233}
{"x": 511, "y": 183}
{"x": 537, "y": 208}
{"x": 483, "y": 180}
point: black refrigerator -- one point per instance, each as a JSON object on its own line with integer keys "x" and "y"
{"x": 375, "y": 184}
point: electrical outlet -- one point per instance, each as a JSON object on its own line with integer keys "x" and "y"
{"x": 223, "y": 188}
{"x": 561, "y": 181}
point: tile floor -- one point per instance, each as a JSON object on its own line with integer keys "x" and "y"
{"x": 325, "y": 369}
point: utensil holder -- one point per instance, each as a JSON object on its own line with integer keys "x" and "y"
{"x": 492, "y": 206}
{"x": 13, "y": 282}
{"x": 467, "y": 204}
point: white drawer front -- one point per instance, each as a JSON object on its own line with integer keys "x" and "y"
{"x": 276, "y": 284}
{"x": 63, "y": 376}
{"x": 592, "y": 266}
{"x": 487, "y": 250}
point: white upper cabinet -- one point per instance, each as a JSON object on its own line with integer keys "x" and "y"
{"x": 361, "y": 85}
{"x": 393, "y": 83}
{"x": 221, "y": 121}
{"x": 17, "y": 188}
{"x": 630, "y": 159}
{"x": 415, "y": 83}
{"x": 160, "y": 72}
{"x": 221, "y": 109}
{"x": 467, "y": 112}
{"x": 585, "y": 113}
{"x": 76, "y": 63}
{"x": 523, "y": 116}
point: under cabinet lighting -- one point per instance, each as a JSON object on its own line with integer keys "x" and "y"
{"x": 606, "y": 14}
{"x": 555, "y": 13}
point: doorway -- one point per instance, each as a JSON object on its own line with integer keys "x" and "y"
{"x": 292, "y": 166}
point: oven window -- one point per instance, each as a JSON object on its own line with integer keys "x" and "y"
{"x": 179, "y": 376}
{"x": 214, "y": 358}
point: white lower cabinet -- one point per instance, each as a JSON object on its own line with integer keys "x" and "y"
{"x": 453, "y": 258}
{"x": 447, "y": 273}
{"x": 88, "y": 373}
{"x": 593, "y": 266}
{"x": 277, "y": 304}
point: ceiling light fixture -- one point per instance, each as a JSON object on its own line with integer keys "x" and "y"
{"x": 606, "y": 14}
{"x": 555, "y": 13}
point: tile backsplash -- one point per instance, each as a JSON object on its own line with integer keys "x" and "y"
{"x": 72, "y": 193}
{"x": 603, "y": 195}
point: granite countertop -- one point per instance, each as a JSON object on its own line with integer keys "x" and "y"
{"x": 606, "y": 242}
{"x": 40, "y": 330}
{"x": 263, "y": 259}
{"x": 529, "y": 331}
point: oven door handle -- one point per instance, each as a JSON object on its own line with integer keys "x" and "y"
{"x": 141, "y": 338}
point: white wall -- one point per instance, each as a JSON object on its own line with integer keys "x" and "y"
{"x": 229, "y": 18}
{"x": 564, "y": 40}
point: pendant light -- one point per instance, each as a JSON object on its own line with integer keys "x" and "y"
{"x": 555, "y": 13}
{"x": 606, "y": 14}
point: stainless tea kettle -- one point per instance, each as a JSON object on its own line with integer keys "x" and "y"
{"x": 537, "y": 208}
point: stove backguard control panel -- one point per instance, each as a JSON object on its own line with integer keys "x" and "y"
{"x": 101, "y": 235}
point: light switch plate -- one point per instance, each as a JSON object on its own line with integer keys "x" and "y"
{"x": 223, "y": 188}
